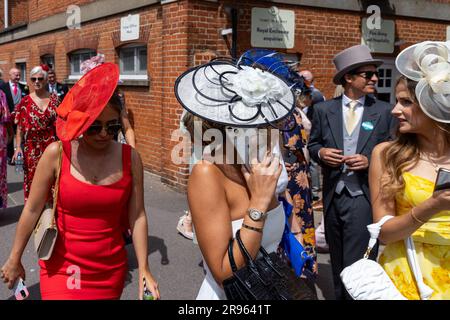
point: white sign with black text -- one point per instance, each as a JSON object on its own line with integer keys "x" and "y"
{"x": 379, "y": 39}
{"x": 273, "y": 28}
{"x": 129, "y": 28}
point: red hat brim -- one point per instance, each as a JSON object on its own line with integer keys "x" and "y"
{"x": 85, "y": 101}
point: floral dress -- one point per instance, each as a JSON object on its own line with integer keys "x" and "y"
{"x": 5, "y": 118}
{"x": 299, "y": 186}
{"x": 431, "y": 240}
{"x": 39, "y": 130}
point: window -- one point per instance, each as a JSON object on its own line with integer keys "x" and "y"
{"x": 133, "y": 62}
{"x": 49, "y": 60}
{"x": 22, "y": 66}
{"x": 386, "y": 81}
{"x": 76, "y": 58}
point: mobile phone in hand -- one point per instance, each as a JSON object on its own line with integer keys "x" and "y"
{"x": 147, "y": 294}
{"x": 442, "y": 180}
{"x": 21, "y": 292}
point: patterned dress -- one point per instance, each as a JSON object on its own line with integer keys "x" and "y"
{"x": 431, "y": 240}
{"x": 299, "y": 186}
{"x": 5, "y": 118}
{"x": 39, "y": 130}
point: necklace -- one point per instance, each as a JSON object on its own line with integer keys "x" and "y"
{"x": 428, "y": 159}
{"x": 92, "y": 176}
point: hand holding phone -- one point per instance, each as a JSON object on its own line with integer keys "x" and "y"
{"x": 147, "y": 294}
{"x": 21, "y": 292}
{"x": 442, "y": 180}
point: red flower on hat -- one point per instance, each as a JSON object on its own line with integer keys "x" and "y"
{"x": 45, "y": 67}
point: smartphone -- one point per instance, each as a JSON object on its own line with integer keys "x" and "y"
{"x": 147, "y": 294}
{"x": 290, "y": 157}
{"x": 442, "y": 180}
{"x": 21, "y": 292}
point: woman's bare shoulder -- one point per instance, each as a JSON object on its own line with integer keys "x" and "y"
{"x": 53, "y": 148}
{"x": 206, "y": 174}
{"x": 379, "y": 148}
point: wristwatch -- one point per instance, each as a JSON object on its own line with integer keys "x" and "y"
{"x": 256, "y": 215}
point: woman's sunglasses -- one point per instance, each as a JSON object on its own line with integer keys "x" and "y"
{"x": 111, "y": 129}
{"x": 33, "y": 79}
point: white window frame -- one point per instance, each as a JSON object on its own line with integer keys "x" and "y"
{"x": 136, "y": 74}
{"x": 22, "y": 66}
{"x": 389, "y": 63}
{"x": 46, "y": 57}
{"x": 74, "y": 75}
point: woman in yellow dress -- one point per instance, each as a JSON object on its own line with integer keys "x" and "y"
{"x": 403, "y": 171}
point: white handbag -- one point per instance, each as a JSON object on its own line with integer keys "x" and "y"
{"x": 366, "y": 279}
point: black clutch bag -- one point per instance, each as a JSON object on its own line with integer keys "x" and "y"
{"x": 267, "y": 278}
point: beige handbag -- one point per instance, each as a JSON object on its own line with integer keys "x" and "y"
{"x": 45, "y": 232}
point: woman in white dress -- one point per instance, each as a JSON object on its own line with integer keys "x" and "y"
{"x": 225, "y": 195}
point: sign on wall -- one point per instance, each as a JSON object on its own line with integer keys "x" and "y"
{"x": 273, "y": 28}
{"x": 379, "y": 39}
{"x": 129, "y": 28}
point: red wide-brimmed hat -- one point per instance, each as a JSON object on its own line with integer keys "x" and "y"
{"x": 85, "y": 101}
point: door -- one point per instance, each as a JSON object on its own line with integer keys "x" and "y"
{"x": 388, "y": 76}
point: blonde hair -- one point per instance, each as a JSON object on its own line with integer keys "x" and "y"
{"x": 404, "y": 152}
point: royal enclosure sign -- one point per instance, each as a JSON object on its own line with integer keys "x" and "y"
{"x": 273, "y": 28}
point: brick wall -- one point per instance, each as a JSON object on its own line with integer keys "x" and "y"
{"x": 185, "y": 33}
{"x": 38, "y": 9}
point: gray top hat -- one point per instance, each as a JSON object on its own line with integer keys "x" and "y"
{"x": 353, "y": 58}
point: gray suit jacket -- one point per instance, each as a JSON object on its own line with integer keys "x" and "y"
{"x": 327, "y": 132}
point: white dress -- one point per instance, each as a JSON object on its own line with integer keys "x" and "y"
{"x": 273, "y": 231}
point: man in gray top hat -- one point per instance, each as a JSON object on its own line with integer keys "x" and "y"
{"x": 344, "y": 132}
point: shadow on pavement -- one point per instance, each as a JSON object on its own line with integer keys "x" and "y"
{"x": 154, "y": 244}
{"x": 10, "y": 215}
{"x": 15, "y": 186}
{"x": 325, "y": 282}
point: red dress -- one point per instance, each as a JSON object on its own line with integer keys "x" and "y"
{"x": 39, "y": 130}
{"x": 89, "y": 260}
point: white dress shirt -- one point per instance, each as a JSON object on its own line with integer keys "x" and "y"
{"x": 359, "y": 109}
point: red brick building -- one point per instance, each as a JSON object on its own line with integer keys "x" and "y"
{"x": 176, "y": 34}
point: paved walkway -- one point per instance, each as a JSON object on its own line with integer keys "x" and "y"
{"x": 173, "y": 259}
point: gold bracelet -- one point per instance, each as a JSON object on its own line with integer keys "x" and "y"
{"x": 415, "y": 218}
{"x": 260, "y": 230}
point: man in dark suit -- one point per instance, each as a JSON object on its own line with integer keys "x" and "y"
{"x": 344, "y": 132}
{"x": 56, "y": 87}
{"x": 14, "y": 92}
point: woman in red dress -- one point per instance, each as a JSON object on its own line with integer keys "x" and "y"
{"x": 101, "y": 180}
{"x": 35, "y": 117}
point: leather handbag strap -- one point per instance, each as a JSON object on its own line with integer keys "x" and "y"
{"x": 231, "y": 257}
{"x": 244, "y": 251}
{"x": 374, "y": 230}
{"x": 58, "y": 174}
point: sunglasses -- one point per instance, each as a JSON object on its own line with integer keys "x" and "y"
{"x": 367, "y": 74}
{"x": 33, "y": 79}
{"x": 111, "y": 129}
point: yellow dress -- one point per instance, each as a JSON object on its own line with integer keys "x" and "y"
{"x": 432, "y": 242}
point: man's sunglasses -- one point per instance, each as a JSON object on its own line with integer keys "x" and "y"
{"x": 367, "y": 74}
{"x": 33, "y": 79}
{"x": 111, "y": 129}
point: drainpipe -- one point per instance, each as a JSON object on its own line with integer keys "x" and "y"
{"x": 5, "y": 7}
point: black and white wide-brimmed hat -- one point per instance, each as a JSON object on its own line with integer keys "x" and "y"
{"x": 235, "y": 93}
